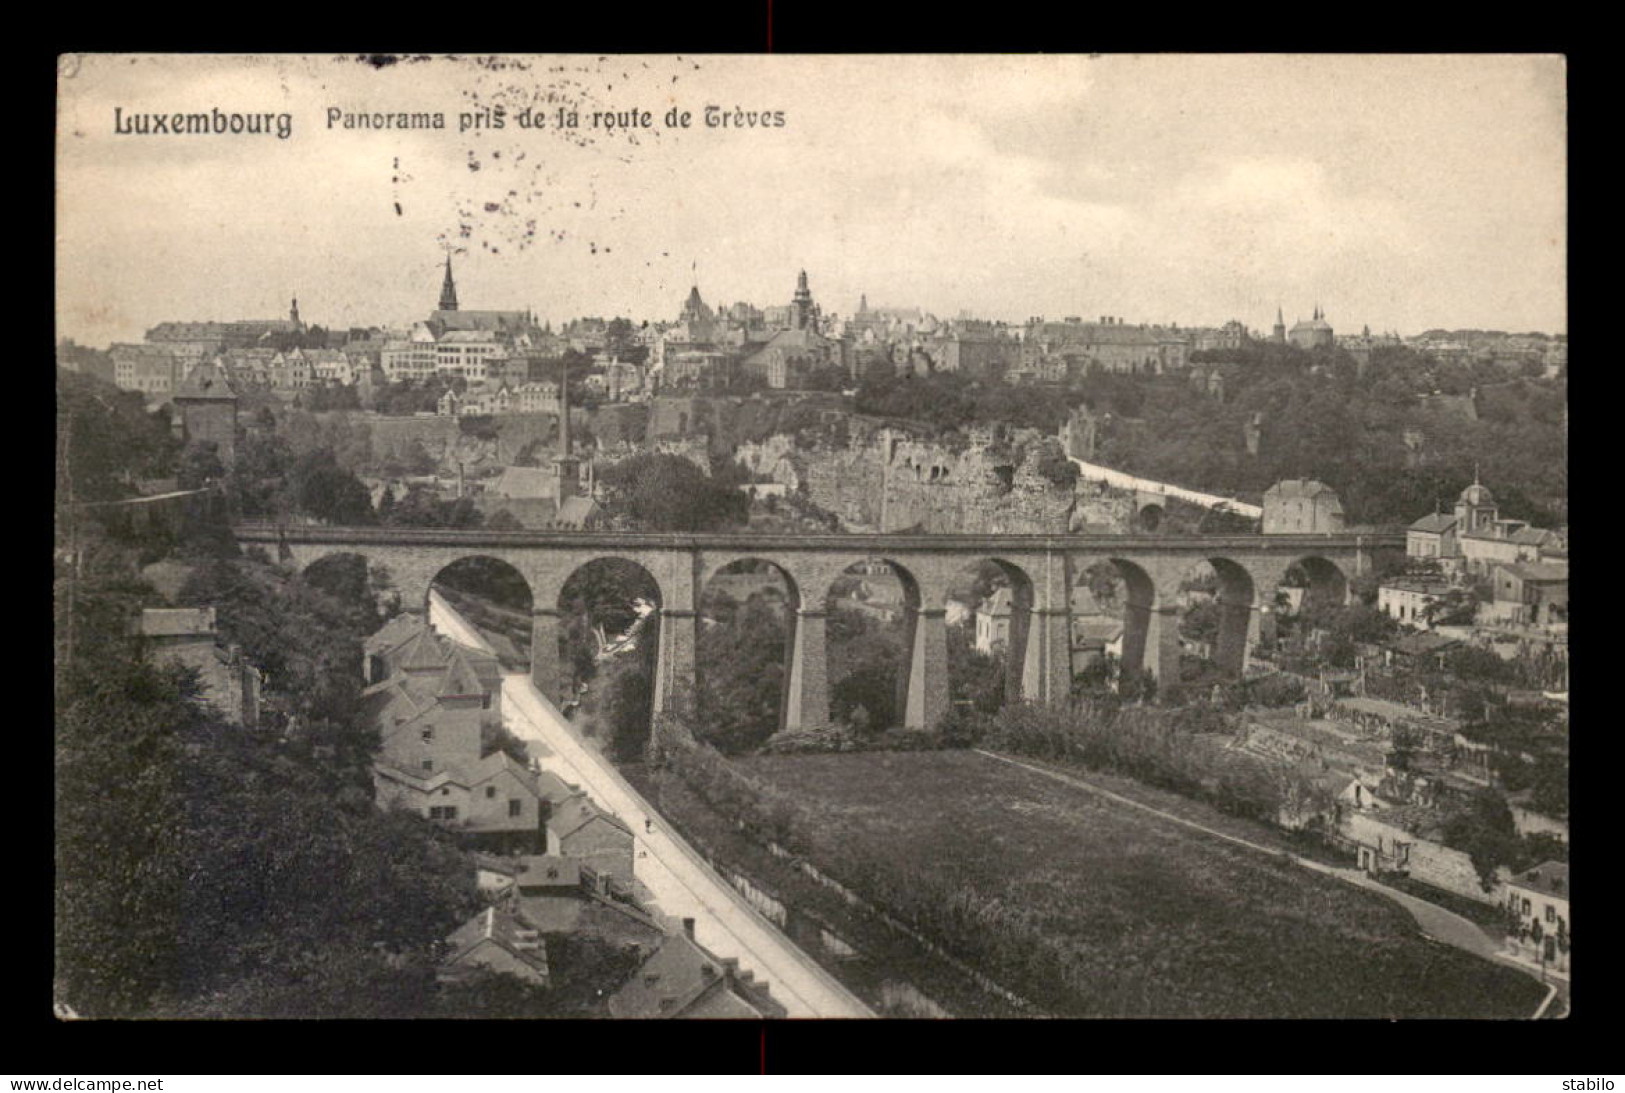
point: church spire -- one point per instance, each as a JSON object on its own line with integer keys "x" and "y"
{"x": 448, "y": 289}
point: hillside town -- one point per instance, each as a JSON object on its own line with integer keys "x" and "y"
{"x": 1456, "y": 690}
{"x": 1011, "y": 564}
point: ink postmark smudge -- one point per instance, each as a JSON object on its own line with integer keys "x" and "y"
{"x": 525, "y": 126}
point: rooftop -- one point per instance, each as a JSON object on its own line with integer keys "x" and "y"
{"x": 1434, "y": 522}
{"x": 548, "y": 871}
{"x": 162, "y": 622}
{"x": 1538, "y": 572}
{"x": 1299, "y": 487}
{"x": 1550, "y": 878}
{"x": 1417, "y": 584}
{"x": 1421, "y": 644}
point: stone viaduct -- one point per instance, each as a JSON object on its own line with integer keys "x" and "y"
{"x": 1042, "y": 571}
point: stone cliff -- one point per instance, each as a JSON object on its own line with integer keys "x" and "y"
{"x": 888, "y": 480}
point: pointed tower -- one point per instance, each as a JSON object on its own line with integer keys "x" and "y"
{"x": 801, "y": 304}
{"x": 1280, "y": 328}
{"x": 448, "y": 289}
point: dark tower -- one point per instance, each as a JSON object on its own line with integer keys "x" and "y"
{"x": 206, "y": 408}
{"x": 1280, "y": 328}
{"x": 293, "y": 312}
{"x": 801, "y": 305}
{"x": 448, "y": 290}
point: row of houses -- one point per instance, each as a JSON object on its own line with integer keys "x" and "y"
{"x": 1474, "y": 538}
{"x": 1390, "y": 813}
{"x": 555, "y": 865}
{"x": 538, "y": 900}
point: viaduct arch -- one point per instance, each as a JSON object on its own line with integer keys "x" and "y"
{"x": 1044, "y": 567}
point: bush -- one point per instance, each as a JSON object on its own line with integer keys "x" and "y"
{"x": 1173, "y": 749}
{"x": 1277, "y": 689}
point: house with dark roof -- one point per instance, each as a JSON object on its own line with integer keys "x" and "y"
{"x": 393, "y": 634}
{"x": 563, "y": 896}
{"x": 580, "y": 829}
{"x": 1427, "y": 649}
{"x": 579, "y": 513}
{"x": 683, "y": 979}
{"x": 1433, "y": 537}
{"x": 788, "y": 357}
{"x": 494, "y": 802}
{"x": 187, "y": 636}
{"x": 498, "y": 939}
{"x": 526, "y": 484}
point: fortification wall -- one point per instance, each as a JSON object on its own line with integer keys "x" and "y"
{"x": 446, "y": 443}
{"x": 892, "y": 482}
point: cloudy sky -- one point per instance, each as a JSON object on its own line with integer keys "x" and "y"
{"x": 1400, "y": 192}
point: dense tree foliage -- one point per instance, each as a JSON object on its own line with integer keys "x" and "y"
{"x": 625, "y": 690}
{"x": 201, "y": 867}
{"x": 1321, "y": 415}
{"x": 621, "y": 341}
{"x": 865, "y": 658}
{"x": 422, "y": 507}
{"x": 975, "y": 679}
{"x": 742, "y": 675}
{"x": 106, "y": 439}
{"x": 1349, "y": 431}
{"x": 405, "y": 397}
{"x": 342, "y": 396}
{"x": 323, "y": 489}
{"x": 307, "y": 641}
{"x": 657, "y": 492}
{"x": 199, "y": 466}
{"x": 491, "y": 579}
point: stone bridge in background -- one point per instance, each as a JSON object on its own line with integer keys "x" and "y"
{"x": 1042, "y": 570}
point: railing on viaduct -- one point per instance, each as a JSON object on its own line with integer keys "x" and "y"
{"x": 1042, "y": 570}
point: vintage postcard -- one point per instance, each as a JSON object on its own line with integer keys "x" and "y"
{"x": 866, "y": 536}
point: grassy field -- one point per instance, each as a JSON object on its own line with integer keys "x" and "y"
{"x": 1137, "y": 916}
{"x": 882, "y": 953}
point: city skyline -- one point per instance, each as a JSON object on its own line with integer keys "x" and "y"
{"x": 1403, "y": 193}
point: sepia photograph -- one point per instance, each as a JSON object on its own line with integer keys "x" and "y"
{"x": 862, "y": 536}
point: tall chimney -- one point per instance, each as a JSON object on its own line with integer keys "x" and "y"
{"x": 564, "y": 410}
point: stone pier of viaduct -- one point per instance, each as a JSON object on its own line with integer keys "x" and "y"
{"x": 1042, "y": 571}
